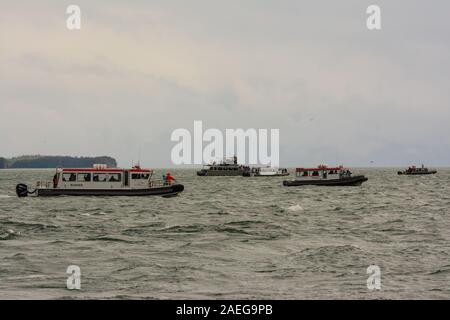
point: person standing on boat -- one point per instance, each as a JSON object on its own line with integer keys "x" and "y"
{"x": 169, "y": 178}
{"x": 55, "y": 180}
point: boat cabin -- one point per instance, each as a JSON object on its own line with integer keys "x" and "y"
{"x": 221, "y": 167}
{"x": 322, "y": 172}
{"x": 102, "y": 177}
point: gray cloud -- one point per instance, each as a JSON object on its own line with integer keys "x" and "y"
{"x": 338, "y": 92}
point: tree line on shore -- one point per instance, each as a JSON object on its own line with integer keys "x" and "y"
{"x": 38, "y": 161}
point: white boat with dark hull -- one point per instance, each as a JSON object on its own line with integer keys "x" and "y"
{"x": 103, "y": 181}
{"x": 325, "y": 176}
{"x": 266, "y": 172}
{"x": 227, "y": 167}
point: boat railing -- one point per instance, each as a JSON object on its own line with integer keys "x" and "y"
{"x": 157, "y": 183}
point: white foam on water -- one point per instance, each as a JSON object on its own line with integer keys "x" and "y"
{"x": 2, "y": 196}
{"x": 12, "y": 232}
{"x": 295, "y": 208}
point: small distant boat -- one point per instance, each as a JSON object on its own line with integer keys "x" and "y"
{"x": 416, "y": 171}
{"x": 103, "y": 181}
{"x": 266, "y": 172}
{"x": 226, "y": 167}
{"x": 325, "y": 176}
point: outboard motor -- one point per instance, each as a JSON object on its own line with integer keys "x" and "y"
{"x": 22, "y": 190}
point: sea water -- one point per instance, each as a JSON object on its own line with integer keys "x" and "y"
{"x": 231, "y": 237}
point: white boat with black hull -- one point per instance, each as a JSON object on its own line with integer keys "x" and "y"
{"x": 226, "y": 167}
{"x": 103, "y": 181}
{"x": 325, "y": 176}
{"x": 266, "y": 172}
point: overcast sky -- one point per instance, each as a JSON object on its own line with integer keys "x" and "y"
{"x": 137, "y": 70}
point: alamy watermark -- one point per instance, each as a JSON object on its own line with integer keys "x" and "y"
{"x": 74, "y": 280}
{"x": 373, "y": 22}
{"x": 191, "y": 150}
{"x": 374, "y": 280}
{"x": 73, "y": 22}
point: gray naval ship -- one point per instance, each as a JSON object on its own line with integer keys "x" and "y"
{"x": 226, "y": 167}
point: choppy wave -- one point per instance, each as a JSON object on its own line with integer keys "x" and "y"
{"x": 295, "y": 208}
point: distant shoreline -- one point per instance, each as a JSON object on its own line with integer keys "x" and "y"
{"x": 48, "y": 162}
{"x": 187, "y": 168}
{"x": 52, "y": 162}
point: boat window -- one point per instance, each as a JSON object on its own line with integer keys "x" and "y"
{"x": 83, "y": 177}
{"x": 136, "y": 176}
{"x": 99, "y": 177}
{"x": 115, "y": 177}
{"x": 315, "y": 173}
{"x": 305, "y": 173}
{"x": 69, "y": 177}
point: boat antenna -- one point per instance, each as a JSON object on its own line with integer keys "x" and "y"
{"x": 139, "y": 156}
